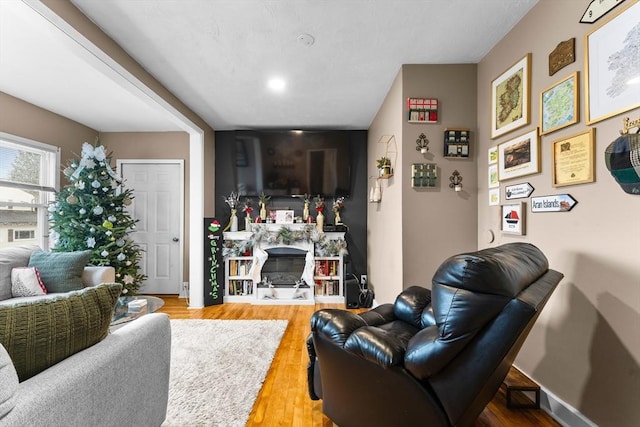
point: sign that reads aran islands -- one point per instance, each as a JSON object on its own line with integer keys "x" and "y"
{"x": 556, "y": 203}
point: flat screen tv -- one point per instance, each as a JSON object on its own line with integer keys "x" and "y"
{"x": 293, "y": 163}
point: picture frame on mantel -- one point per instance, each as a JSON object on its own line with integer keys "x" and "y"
{"x": 519, "y": 156}
{"x": 559, "y": 104}
{"x": 510, "y": 98}
{"x": 606, "y": 69}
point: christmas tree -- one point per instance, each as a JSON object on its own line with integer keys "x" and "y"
{"x": 90, "y": 214}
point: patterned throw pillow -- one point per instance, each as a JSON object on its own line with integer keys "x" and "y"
{"x": 41, "y": 333}
{"x": 25, "y": 282}
{"x": 60, "y": 271}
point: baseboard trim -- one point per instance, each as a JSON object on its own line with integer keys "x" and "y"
{"x": 562, "y": 412}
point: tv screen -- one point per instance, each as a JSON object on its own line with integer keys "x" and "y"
{"x": 293, "y": 163}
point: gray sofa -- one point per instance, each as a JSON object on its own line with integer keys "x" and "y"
{"x": 18, "y": 256}
{"x": 121, "y": 381}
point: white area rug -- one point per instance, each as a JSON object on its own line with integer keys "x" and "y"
{"x": 217, "y": 369}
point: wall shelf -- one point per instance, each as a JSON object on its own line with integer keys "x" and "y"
{"x": 390, "y": 152}
{"x": 422, "y": 110}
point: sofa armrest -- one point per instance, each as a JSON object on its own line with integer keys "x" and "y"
{"x": 93, "y": 276}
{"x": 122, "y": 380}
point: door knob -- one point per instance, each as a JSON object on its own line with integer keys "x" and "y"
{"x": 175, "y": 239}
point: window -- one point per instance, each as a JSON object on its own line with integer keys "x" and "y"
{"x": 28, "y": 181}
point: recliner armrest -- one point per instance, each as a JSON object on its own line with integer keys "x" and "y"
{"x": 336, "y": 325}
{"x": 377, "y": 345}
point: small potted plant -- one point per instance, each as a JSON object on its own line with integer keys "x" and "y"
{"x": 384, "y": 166}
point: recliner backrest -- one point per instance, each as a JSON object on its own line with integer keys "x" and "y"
{"x": 468, "y": 291}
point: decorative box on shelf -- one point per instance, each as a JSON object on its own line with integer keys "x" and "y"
{"x": 422, "y": 110}
{"x": 456, "y": 142}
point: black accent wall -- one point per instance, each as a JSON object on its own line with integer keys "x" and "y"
{"x": 354, "y": 214}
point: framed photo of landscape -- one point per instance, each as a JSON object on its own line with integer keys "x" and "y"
{"x": 573, "y": 159}
{"x": 519, "y": 156}
{"x": 609, "y": 69}
{"x": 510, "y": 98}
{"x": 559, "y": 105}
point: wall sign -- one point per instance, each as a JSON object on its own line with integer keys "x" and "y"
{"x": 518, "y": 191}
{"x": 597, "y": 9}
{"x": 555, "y": 203}
{"x": 213, "y": 271}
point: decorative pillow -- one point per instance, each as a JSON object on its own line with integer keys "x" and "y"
{"x": 41, "y": 333}
{"x": 60, "y": 271}
{"x": 25, "y": 282}
{"x": 10, "y": 257}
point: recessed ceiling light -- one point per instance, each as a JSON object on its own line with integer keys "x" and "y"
{"x": 634, "y": 80}
{"x": 277, "y": 84}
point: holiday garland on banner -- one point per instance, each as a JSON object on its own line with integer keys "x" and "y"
{"x": 90, "y": 214}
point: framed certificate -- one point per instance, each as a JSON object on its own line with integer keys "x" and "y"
{"x": 573, "y": 160}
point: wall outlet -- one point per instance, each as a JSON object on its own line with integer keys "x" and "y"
{"x": 363, "y": 279}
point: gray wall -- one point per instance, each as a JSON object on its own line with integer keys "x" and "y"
{"x": 411, "y": 231}
{"x": 585, "y": 348}
{"x": 438, "y": 222}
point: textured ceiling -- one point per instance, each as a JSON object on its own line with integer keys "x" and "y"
{"x": 217, "y": 56}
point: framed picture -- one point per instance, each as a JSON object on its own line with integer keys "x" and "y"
{"x": 493, "y": 176}
{"x": 512, "y": 218}
{"x": 492, "y": 155}
{"x": 284, "y": 217}
{"x": 519, "y": 156}
{"x": 609, "y": 67}
{"x": 494, "y": 197}
{"x": 510, "y": 99}
{"x": 559, "y": 105}
{"x": 573, "y": 159}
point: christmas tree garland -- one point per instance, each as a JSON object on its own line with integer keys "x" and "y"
{"x": 285, "y": 236}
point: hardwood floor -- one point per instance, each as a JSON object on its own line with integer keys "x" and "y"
{"x": 284, "y": 401}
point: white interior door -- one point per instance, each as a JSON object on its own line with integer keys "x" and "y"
{"x": 158, "y": 208}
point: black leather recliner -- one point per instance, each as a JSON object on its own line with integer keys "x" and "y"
{"x": 434, "y": 357}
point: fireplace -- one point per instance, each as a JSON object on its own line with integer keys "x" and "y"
{"x": 284, "y": 266}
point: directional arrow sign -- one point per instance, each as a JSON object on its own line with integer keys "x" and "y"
{"x": 518, "y": 191}
{"x": 556, "y": 203}
{"x": 597, "y": 9}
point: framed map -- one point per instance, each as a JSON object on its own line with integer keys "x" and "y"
{"x": 612, "y": 83}
{"x": 559, "y": 105}
{"x": 510, "y": 100}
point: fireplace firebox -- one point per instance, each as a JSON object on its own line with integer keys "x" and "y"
{"x": 284, "y": 266}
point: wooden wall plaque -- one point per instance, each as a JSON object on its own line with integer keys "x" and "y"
{"x": 563, "y": 55}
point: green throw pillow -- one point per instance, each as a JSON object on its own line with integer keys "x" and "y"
{"x": 40, "y": 334}
{"x": 60, "y": 271}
